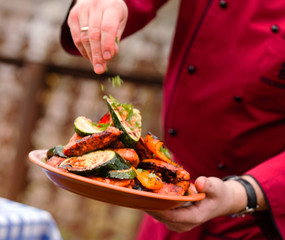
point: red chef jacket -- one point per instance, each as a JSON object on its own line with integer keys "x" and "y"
{"x": 224, "y": 103}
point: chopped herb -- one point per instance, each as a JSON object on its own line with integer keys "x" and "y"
{"x": 102, "y": 87}
{"x": 139, "y": 170}
{"x": 151, "y": 175}
{"x": 102, "y": 126}
{"x": 116, "y": 81}
{"x": 165, "y": 151}
{"x": 117, "y": 40}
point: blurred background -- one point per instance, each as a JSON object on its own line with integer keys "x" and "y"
{"x": 43, "y": 89}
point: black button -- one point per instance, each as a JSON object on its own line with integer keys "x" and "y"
{"x": 274, "y": 28}
{"x": 223, "y": 4}
{"x": 221, "y": 166}
{"x": 191, "y": 69}
{"x": 238, "y": 98}
{"x": 172, "y": 132}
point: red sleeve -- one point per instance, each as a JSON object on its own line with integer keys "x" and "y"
{"x": 271, "y": 177}
{"x": 140, "y": 13}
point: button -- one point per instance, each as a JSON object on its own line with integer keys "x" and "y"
{"x": 191, "y": 69}
{"x": 172, "y": 132}
{"x": 223, "y": 4}
{"x": 274, "y": 28}
{"x": 221, "y": 165}
{"x": 238, "y": 98}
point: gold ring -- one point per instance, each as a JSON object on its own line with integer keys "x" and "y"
{"x": 84, "y": 29}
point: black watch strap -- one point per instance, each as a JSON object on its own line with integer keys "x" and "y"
{"x": 251, "y": 195}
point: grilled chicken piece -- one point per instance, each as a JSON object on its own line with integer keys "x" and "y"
{"x": 113, "y": 181}
{"x": 92, "y": 142}
{"x": 169, "y": 172}
{"x": 171, "y": 189}
{"x": 128, "y": 154}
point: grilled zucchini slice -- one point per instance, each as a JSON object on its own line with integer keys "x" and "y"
{"x": 127, "y": 119}
{"x": 84, "y": 127}
{"x": 122, "y": 174}
{"x": 96, "y": 163}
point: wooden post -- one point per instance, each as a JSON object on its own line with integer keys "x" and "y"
{"x": 33, "y": 77}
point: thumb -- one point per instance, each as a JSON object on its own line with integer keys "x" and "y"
{"x": 207, "y": 185}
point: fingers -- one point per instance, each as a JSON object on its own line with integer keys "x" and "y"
{"x": 178, "y": 220}
{"x": 95, "y": 22}
{"x": 73, "y": 23}
{"x": 106, "y": 20}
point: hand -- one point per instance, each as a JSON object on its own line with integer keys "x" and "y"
{"x": 222, "y": 198}
{"x": 106, "y": 20}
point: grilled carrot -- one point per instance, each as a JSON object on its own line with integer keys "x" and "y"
{"x": 156, "y": 146}
{"x": 171, "y": 189}
{"x": 142, "y": 149}
{"x": 169, "y": 172}
{"x": 129, "y": 154}
{"x": 151, "y": 141}
{"x": 148, "y": 179}
{"x": 113, "y": 181}
{"x": 92, "y": 142}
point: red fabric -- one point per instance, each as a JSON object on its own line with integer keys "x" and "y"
{"x": 229, "y": 114}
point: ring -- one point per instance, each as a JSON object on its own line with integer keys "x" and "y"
{"x": 84, "y": 29}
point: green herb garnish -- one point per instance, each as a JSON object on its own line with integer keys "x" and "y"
{"x": 165, "y": 151}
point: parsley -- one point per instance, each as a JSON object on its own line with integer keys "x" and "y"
{"x": 102, "y": 126}
{"x": 151, "y": 175}
{"x": 165, "y": 151}
{"x": 116, "y": 81}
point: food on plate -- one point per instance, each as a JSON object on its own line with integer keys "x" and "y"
{"x": 113, "y": 151}
{"x": 127, "y": 119}
{"x": 91, "y": 142}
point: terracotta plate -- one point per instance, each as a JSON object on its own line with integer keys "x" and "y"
{"x": 109, "y": 193}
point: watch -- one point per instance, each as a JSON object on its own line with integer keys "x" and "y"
{"x": 251, "y": 196}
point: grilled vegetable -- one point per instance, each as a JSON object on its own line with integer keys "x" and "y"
{"x": 106, "y": 119}
{"x": 84, "y": 127}
{"x": 56, "y": 151}
{"x": 142, "y": 149}
{"x": 127, "y": 119}
{"x": 169, "y": 172}
{"x": 92, "y": 142}
{"x": 173, "y": 189}
{"x": 122, "y": 174}
{"x": 129, "y": 154}
{"x": 96, "y": 163}
{"x": 113, "y": 181}
{"x": 55, "y": 161}
{"x": 157, "y": 148}
{"x": 148, "y": 179}
{"x": 151, "y": 141}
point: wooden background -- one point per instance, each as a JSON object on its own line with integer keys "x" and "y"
{"x": 43, "y": 89}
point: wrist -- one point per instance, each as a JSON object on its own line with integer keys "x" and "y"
{"x": 238, "y": 197}
{"x": 248, "y": 195}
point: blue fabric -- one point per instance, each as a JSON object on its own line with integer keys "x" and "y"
{"x": 22, "y": 222}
